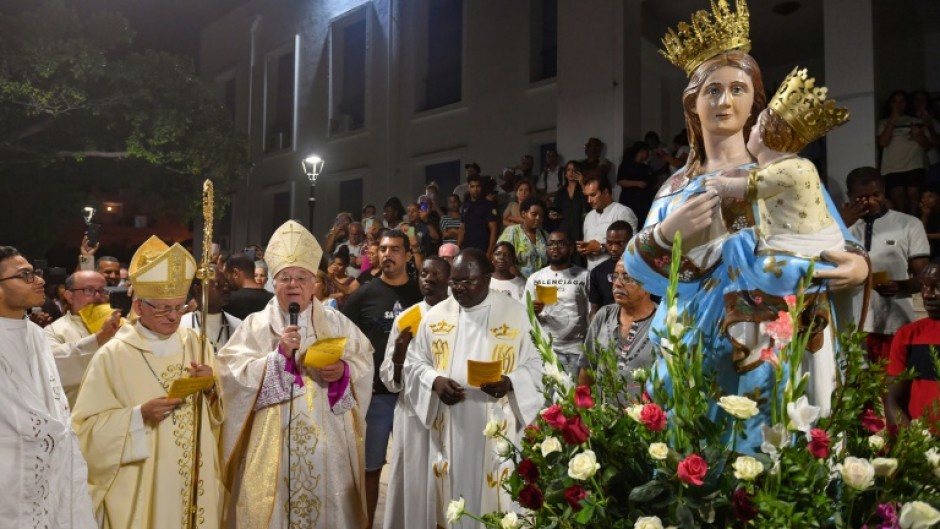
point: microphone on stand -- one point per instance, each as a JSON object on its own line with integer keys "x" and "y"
{"x": 293, "y": 310}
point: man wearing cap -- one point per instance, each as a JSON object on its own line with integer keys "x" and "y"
{"x": 293, "y": 439}
{"x": 77, "y": 335}
{"x": 42, "y": 472}
{"x": 137, "y": 440}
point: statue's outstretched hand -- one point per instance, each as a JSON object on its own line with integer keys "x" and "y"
{"x": 691, "y": 217}
{"x": 851, "y": 269}
{"x": 728, "y": 186}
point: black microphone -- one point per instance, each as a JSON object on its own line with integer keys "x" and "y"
{"x": 293, "y": 310}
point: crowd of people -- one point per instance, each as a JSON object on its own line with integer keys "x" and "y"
{"x": 404, "y": 339}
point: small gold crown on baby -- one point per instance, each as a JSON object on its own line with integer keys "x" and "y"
{"x": 504, "y": 332}
{"x": 804, "y": 106}
{"x": 708, "y": 35}
{"x": 441, "y": 327}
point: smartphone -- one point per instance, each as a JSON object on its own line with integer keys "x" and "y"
{"x": 119, "y": 299}
{"x": 411, "y": 232}
{"x": 92, "y": 233}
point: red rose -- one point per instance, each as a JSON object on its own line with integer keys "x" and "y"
{"x": 531, "y": 497}
{"x": 575, "y": 432}
{"x": 653, "y": 417}
{"x": 583, "y": 398}
{"x": 528, "y": 470}
{"x": 872, "y": 422}
{"x": 819, "y": 443}
{"x": 573, "y": 495}
{"x": 645, "y": 397}
{"x": 742, "y": 506}
{"x": 554, "y": 416}
{"x": 692, "y": 469}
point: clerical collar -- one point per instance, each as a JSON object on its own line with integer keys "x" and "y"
{"x": 150, "y": 334}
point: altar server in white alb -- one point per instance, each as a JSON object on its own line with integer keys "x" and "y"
{"x": 474, "y": 324}
{"x": 43, "y": 477}
{"x": 294, "y": 438}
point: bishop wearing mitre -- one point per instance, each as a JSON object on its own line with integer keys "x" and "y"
{"x": 137, "y": 440}
{"x": 295, "y": 395}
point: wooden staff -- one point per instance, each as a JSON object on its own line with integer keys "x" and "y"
{"x": 206, "y": 273}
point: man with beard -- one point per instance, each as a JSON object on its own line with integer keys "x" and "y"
{"x": 221, "y": 325}
{"x": 373, "y": 308}
{"x": 623, "y": 325}
{"x": 566, "y": 319}
{"x": 409, "y": 465}
{"x": 44, "y": 477}
{"x": 473, "y": 324}
{"x": 912, "y": 347}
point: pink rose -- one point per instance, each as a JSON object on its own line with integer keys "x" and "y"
{"x": 653, "y": 417}
{"x": 554, "y": 416}
{"x": 583, "y": 398}
{"x": 692, "y": 470}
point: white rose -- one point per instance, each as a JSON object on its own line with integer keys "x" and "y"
{"x": 737, "y": 406}
{"x": 634, "y": 412}
{"x": 933, "y": 457}
{"x": 550, "y": 444}
{"x": 876, "y": 442}
{"x": 884, "y": 466}
{"x": 648, "y": 522}
{"x": 802, "y": 415}
{"x": 658, "y": 451}
{"x": 455, "y": 510}
{"x": 583, "y": 465}
{"x": 918, "y": 515}
{"x": 503, "y": 448}
{"x": 491, "y": 430}
{"x": 857, "y": 473}
{"x": 774, "y": 439}
{"x": 640, "y": 374}
{"x": 747, "y": 468}
{"x": 510, "y": 521}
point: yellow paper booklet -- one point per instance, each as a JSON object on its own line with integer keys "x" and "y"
{"x": 411, "y": 318}
{"x": 95, "y": 316}
{"x": 546, "y": 294}
{"x": 479, "y": 373}
{"x": 184, "y": 387}
{"x": 325, "y": 352}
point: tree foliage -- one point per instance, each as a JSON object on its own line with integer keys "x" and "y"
{"x": 81, "y": 112}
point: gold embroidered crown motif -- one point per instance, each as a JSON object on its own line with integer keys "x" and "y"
{"x": 710, "y": 34}
{"x": 441, "y": 327}
{"x": 504, "y": 332}
{"x": 805, "y": 108}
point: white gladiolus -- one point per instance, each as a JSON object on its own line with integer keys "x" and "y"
{"x": 774, "y": 439}
{"x": 802, "y": 414}
{"x": 455, "y": 510}
{"x": 918, "y": 515}
{"x": 583, "y": 465}
{"x": 857, "y": 473}
{"x": 550, "y": 444}
{"x": 561, "y": 377}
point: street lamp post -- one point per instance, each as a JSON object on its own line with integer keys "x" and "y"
{"x": 313, "y": 166}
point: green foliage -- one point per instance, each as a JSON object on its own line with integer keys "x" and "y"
{"x": 72, "y": 93}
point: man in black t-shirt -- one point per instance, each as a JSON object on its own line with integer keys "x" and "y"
{"x": 245, "y": 295}
{"x": 478, "y": 219}
{"x": 373, "y": 307}
{"x": 601, "y": 289}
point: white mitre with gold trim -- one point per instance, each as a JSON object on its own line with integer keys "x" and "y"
{"x": 292, "y": 245}
{"x": 158, "y": 271}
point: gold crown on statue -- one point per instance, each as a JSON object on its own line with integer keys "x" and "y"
{"x": 158, "y": 271}
{"x": 805, "y": 108}
{"x": 710, "y": 34}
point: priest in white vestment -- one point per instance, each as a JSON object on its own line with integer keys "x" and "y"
{"x": 138, "y": 441}
{"x": 473, "y": 324}
{"x": 43, "y": 477}
{"x": 409, "y": 502}
{"x": 73, "y": 343}
{"x": 293, "y": 441}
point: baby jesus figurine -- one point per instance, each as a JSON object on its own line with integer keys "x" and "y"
{"x": 793, "y": 225}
